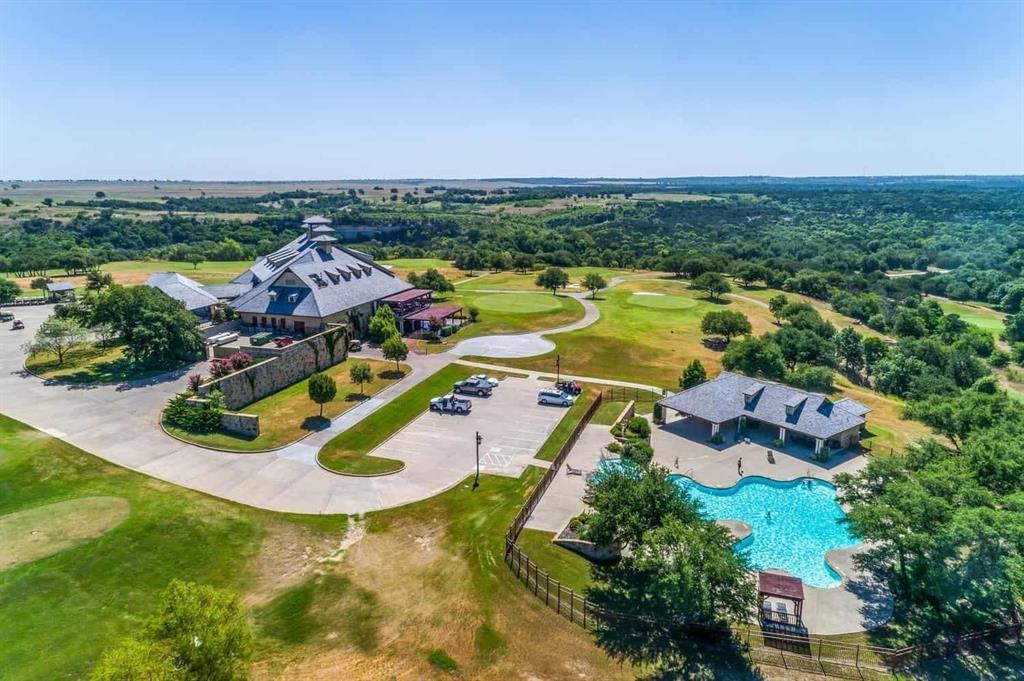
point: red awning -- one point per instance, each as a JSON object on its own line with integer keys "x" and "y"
{"x": 407, "y": 295}
{"x": 781, "y": 586}
{"x": 434, "y": 314}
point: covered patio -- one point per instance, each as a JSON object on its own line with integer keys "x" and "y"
{"x": 431, "y": 319}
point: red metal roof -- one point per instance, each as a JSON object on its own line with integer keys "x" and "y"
{"x": 408, "y": 294}
{"x": 434, "y": 314}
{"x": 783, "y": 586}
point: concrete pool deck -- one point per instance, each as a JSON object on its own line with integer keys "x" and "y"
{"x": 857, "y": 604}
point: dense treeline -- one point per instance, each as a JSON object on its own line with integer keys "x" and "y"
{"x": 814, "y": 237}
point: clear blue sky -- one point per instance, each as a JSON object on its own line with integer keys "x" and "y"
{"x": 371, "y": 90}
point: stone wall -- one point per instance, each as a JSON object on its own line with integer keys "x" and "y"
{"x": 246, "y": 425}
{"x": 279, "y": 368}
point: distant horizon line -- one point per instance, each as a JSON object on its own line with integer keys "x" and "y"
{"x": 536, "y": 178}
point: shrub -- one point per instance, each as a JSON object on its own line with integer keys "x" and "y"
{"x": 639, "y": 426}
{"x": 717, "y": 439}
{"x": 577, "y": 522}
{"x": 240, "y": 360}
{"x": 615, "y": 447}
{"x": 220, "y": 368}
{"x": 813, "y": 378}
{"x": 777, "y": 443}
{"x": 194, "y": 381}
{"x": 638, "y": 451}
{"x": 474, "y": 313}
{"x": 195, "y": 418}
{"x": 999, "y": 359}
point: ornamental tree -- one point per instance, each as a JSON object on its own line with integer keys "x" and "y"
{"x": 553, "y": 278}
{"x": 594, "y": 282}
{"x": 322, "y": 389}
{"x": 395, "y": 349}
{"x": 728, "y": 323}
{"x": 57, "y": 336}
{"x": 713, "y": 283}
{"x": 360, "y": 372}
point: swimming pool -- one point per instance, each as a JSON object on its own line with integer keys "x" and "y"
{"x": 793, "y": 524}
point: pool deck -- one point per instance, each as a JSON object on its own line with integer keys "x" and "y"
{"x": 857, "y": 604}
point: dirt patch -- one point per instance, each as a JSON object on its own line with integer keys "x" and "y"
{"x": 290, "y": 554}
{"x": 39, "y": 532}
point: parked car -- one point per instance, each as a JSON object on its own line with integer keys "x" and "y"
{"x": 17, "y": 325}
{"x": 484, "y": 378}
{"x": 451, "y": 403}
{"x": 355, "y": 345}
{"x": 283, "y": 341}
{"x": 570, "y": 387}
{"x": 471, "y": 386}
{"x": 6, "y": 317}
{"x": 556, "y": 397}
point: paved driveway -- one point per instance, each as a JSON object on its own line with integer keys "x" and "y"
{"x": 509, "y": 442}
{"x": 119, "y": 423}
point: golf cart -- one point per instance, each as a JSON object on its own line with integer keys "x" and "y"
{"x": 471, "y": 386}
{"x": 570, "y": 387}
{"x": 17, "y": 325}
{"x": 451, "y": 403}
{"x": 484, "y": 378}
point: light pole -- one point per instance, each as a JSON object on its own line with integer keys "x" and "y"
{"x": 476, "y": 483}
{"x": 558, "y": 369}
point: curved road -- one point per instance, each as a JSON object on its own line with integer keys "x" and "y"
{"x": 119, "y": 423}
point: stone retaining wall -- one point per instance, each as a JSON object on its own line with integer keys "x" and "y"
{"x": 246, "y": 425}
{"x": 280, "y": 368}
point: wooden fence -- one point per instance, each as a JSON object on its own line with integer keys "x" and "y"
{"x": 623, "y": 394}
{"x": 803, "y": 653}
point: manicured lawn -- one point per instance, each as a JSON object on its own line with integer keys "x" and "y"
{"x": 989, "y": 320}
{"x": 425, "y": 577}
{"x": 634, "y": 341}
{"x": 514, "y": 281}
{"x": 571, "y": 569}
{"x": 75, "y": 603}
{"x": 134, "y": 272}
{"x": 510, "y": 313}
{"x": 349, "y": 452}
{"x": 91, "y": 364}
{"x": 288, "y": 414}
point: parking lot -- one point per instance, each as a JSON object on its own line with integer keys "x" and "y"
{"x": 513, "y": 427}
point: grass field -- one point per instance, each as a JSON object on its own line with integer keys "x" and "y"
{"x": 90, "y": 364}
{"x": 406, "y": 582}
{"x": 514, "y": 281}
{"x": 349, "y": 452}
{"x": 289, "y": 415}
{"x": 134, "y": 272}
{"x": 509, "y": 313}
{"x": 402, "y": 267}
{"x": 982, "y": 317}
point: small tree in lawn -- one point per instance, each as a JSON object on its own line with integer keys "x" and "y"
{"x": 394, "y": 348}
{"x": 322, "y": 389}
{"x": 553, "y": 278}
{"x": 712, "y": 282}
{"x": 594, "y": 282}
{"x": 195, "y": 258}
{"x": 776, "y": 305}
{"x": 694, "y": 374}
{"x": 728, "y": 323}
{"x": 57, "y": 336}
{"x": 361, "y": 373}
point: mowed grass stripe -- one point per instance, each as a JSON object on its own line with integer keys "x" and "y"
{"x": 349, "y": 451}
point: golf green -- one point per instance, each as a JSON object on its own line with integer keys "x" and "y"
{"x": 661, "y": 302}
{"x": 518, "y": 303}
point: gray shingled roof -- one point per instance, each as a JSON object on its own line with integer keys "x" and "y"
{"x": 60, "y": 286}
{"x": 722, "y": 399}
{"x": 181, "y": 288}
{"x": 227, "y": 291}
{"x": 337, "y": 279}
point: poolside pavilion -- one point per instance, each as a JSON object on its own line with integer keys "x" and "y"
{"x": 810, "y": 418}
{"x": 779, "y": 588}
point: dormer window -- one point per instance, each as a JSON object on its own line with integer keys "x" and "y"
{"x": 293, "y": 297}
{"x": 794, "y": 403}
{"x": 272, "y": 295}
{"x": 751, "y": 394}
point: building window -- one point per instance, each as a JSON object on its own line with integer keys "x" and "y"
{"x": 254, "y": 321}
{"x": 263, "y": 321}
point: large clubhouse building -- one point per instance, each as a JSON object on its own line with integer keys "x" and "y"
{"x": 309, "y": 283}
{"x": 734, "y": 399}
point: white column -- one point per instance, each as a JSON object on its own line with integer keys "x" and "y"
{"x": 817, "y": 445}
{"x": 782, "y": 434}
{"x": 714, "y": 429}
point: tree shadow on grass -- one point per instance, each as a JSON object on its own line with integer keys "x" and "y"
{"x": 315, "y": 423}
{"x": 356, "y": 397}
{"x": 391, "y": 374}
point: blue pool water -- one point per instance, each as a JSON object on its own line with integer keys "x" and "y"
{"x": 805, "y": 523}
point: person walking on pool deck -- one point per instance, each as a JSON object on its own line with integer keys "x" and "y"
{"x": 739, "y": 467}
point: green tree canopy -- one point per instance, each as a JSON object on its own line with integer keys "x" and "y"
{"x": 383, "y": 324}
{"x": 431, "y": 279}
{"x": 693, "y": 375}
{"x": 395, "y": 349}
{"x": 322, "y": 389}
{"x": 594, "y": 282}
{"x": 9, "y": 290}
{"x": 728, "y": 323}
{"x": 755, "y": 356}
{"x": 57, "y": 336}
{"x": 360, "y": 372}
{"x": 553, "y": 278}
{"x": 713, "y": 283}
